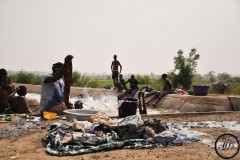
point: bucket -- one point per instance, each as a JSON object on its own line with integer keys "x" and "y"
{"x": 200, "y": 90}
{"x": 128, "y": 107}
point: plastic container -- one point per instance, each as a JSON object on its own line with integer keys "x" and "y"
{"x": 79, "y": 114}
{"x": 200, "y": 90}
{"x": 128, "y": 107}
{"x": 49, "y": 115}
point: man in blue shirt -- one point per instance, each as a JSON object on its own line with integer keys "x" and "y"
{"x": 52, "y": 88}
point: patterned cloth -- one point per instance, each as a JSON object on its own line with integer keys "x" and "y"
{"x": 89, "y": 144}
{"x": 63, "y": 141}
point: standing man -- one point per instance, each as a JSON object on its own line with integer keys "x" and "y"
{"x": 114, "y": 67}
{"x": 52, "y": 88}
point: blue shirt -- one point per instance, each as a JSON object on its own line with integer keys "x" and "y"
{"x": 52, "y": 93}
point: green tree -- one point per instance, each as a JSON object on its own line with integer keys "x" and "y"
{"x": 224, "y": 76}
{"x": 185, "y": 68}
{"x": 212, "y": 77}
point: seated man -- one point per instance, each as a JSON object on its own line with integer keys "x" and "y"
{"x": 133, "y": 86}
{"x": 167, "y": 88}
{"x": 52, "y": 88}
{"x": 5, "y": 90}
{"x": 19, "y": 104}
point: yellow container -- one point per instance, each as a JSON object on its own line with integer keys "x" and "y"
{"x": 49, "y": 115}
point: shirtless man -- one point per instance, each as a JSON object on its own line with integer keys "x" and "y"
{"x": 133, "y": 85}
{"x": 167, "y": 88}
{"x": 114, "y": 67}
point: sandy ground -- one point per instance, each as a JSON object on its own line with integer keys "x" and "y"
{"x": 30, "y": 146}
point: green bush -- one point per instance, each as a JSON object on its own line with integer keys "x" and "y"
{"x": 24, "y": 77}
{"x": 105, "y": 83}
{"x": 143, "y": 79}
{"x": 37, "y": 79}
{"x": 156, "y": 84}
{"x": 94, "y": 83}
{"x": 80, "y": 80}
{"x": 235, "y": 88}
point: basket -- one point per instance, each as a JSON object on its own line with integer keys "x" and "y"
{"x": 200, "y": 90}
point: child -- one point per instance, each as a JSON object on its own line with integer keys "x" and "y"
{"x": 20, "y": 104}
{"x": 122, "y": 83}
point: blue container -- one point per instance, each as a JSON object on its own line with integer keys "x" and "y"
{"x": 200, "y": 90}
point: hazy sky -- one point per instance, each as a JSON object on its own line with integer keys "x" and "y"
{"x": 145, "y": 34}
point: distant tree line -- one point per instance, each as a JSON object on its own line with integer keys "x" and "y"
{"x": 83, "y": 80}
{"x": 182, "y": 76}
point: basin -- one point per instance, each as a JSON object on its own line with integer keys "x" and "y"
{"x": 200, "y": 90}
{"x": 79, "y": 114}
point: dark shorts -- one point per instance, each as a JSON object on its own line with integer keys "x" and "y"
{"x": 115, "y": 74}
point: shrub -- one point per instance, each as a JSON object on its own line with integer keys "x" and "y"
{"x": 94, "y": 83}
{"x": 80, "y": 80}
{"x": 24, "y": 77}
{"x": 37, "y": 79}
{"x": 143, "y": 79}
